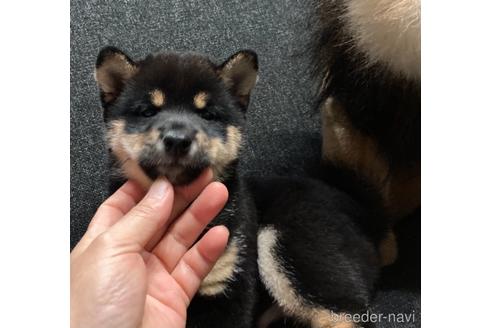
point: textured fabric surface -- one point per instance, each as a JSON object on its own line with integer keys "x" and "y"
{"x": 282, "y": 131}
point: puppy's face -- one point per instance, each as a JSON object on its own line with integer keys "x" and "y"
{"x": 172, "y": 114}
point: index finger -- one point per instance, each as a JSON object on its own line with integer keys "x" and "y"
{"x": 183, "y": 196}
{"x": 110, "y": 211}
{"x": 152, "y": 213}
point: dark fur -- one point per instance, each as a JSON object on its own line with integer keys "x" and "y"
{"x": 327, "y": 241}
{"x": 379, "y": 103}
{"x": 235, "y": 308}
{"x": 181, "y": 76}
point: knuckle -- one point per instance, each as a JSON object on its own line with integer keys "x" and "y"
{"x": 144, "y": 210}
{"x": 180, "y": 239}
{"x": 105, "y": 239}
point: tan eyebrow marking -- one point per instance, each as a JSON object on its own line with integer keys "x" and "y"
{"x": 157, "y": 97}
{"x": 201, "y": 99}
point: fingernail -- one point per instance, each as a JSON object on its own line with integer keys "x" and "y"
{"x": 159, "y": 189}
{"x": 223, "y": 227}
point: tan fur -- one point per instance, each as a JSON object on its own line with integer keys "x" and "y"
{"x": 278, "y": 285}
{"x": 329, "y": 319}
{"x": 345, "y": 146}
{"x": 230, "y": 66}
{"x": 401, "y": 193}
{"x": 221, "y": 153}
{"x": 211, "y": 290}
{"x": 131, "y": 168}
{"x": 157, "y": 98}
{"x": 388, "y": 249}
{"x": 112, "y": 73}
{"x": 222, "y": 272}
{"x": 239, "y": 68}
{"x": 132, "y": 143}
{"x": 388, "y": 32}
{"x": 272, "y": 314}
{"x": 272, "y": 275}
{"x": 200, "y": 99}
{"x": 127, "y": 147}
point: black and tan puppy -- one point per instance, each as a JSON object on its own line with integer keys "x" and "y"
{"x": 366, "y": 61}
{"x": 174, "y": 115}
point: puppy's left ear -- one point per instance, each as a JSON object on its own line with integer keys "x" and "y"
{"x": 239, "y": 72}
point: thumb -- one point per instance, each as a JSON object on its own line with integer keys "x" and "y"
{"x": 147, "y": 217}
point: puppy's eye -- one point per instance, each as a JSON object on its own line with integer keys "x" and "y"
{"x": 208, "y": 115}
{"x": 148, "y": 112}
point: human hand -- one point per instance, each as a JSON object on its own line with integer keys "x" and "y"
{"x": 134, "y": 266}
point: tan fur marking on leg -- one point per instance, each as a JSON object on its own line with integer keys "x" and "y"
{"x": 272, "y": 275}
{"x": 222, "y": 272}
{"x": 329, "y": 319}
{"x": 402, "y": 192}
{"x": 157, "y": 98}
{"x": 280, "y": 288}
{"x": 272, "y": 314}
{"x": 388, "y": 249}
{"x": 345, "y": 146}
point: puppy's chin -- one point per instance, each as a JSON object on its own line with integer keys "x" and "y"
{"x": 176, "y": 174}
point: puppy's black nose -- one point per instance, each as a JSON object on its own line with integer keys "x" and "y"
{"x": 177, "y": 143}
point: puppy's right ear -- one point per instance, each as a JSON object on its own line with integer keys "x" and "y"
{"x": 113, "y": 69}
